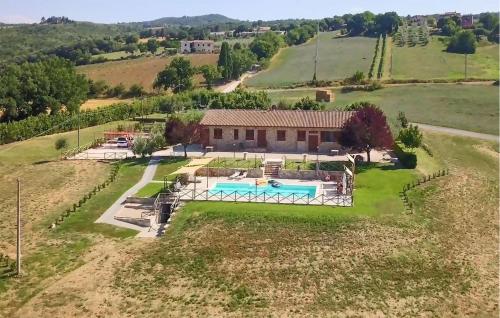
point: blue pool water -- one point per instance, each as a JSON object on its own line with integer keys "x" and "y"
{"x": 246, "y": 188}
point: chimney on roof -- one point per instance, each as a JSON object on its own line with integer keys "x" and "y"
{"x": 274, "y": 107}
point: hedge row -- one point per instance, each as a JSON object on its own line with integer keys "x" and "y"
{"x": 382, "y": 57}
{"x": 425, "y": 179}
{"x": 436, "y": 81}
{"x": 372, "y": 67}
{"x": 407, "y": 159}
{"x": 88, "y": 196}
{"x": 62, "y": 122}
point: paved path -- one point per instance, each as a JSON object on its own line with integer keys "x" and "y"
{"x": 109, "y": 216}
{"x": 231, "y": 86}
{"x": 458, "y": 132}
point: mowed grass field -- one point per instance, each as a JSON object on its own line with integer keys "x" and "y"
{"x": 461, "y": 106}
{"x": 141, "y": 71}
{"x": 338, "y": 58}
{"x": 432, "y": 62}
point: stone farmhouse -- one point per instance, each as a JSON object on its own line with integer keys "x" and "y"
{"x": 289, "y": 131}
{"x": 197, "y": 46}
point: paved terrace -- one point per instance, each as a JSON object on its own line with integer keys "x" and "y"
{"x": 111, "y": 152}
{"x": 196, "y": 151}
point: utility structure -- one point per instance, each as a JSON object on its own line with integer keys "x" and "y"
{"x": 317, "y": 53}
{"x": 18, "y": 251}
{"x": 465, "y": 70}
{"x": 78, "y": 142}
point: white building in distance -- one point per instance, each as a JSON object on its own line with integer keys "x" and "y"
{"x": 197, "y": 46}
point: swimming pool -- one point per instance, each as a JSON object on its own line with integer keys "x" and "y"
{"x": 249, "y": 188}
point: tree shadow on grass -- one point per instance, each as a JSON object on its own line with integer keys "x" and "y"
{"x": 364, "y": 167}
{"x": 42, "y": 162}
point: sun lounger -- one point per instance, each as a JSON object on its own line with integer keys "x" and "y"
{"x": 235, "y": 175}
{"x": 242, "y": 175}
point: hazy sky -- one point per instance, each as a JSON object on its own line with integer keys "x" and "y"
{"x": 108, "y": 11}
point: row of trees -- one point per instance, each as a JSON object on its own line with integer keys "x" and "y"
{"x": 102, "y": 89}
{"x": 367, "y": 23}
{"x": 45, "y": 124}
{"x": 50, "y": 86}
{"x": 82, "y": 53}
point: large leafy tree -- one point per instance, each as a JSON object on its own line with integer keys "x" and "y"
{"x": 489, "y": 20}
{"x": 152, "y": 45}
{"x": 49, "y": 86}
{"x": 177, "y": 76}
{"x": 463, "y": 42}
{"x": 360, "y": 23}
{"x": 183, "y": 129}
{"x": 210, "y": 74}
{"x": 266, "y": 45}
{"x": 242, "y": 61}
{"x": 367, "y": 129}
{"x": 387, "y": 22}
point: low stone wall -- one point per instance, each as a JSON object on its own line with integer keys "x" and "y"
{"x": 309, "y": 174}
{"x": 227, "y": 172}
{"x": 145, "y": 201}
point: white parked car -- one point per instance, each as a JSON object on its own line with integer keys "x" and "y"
{"x": 122, "y": 142}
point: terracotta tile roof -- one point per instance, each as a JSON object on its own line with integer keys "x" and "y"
{"x": 276, "y": 118}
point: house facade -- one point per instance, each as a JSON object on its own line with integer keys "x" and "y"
{"x": 292, "y": 131}
{"x": 467, "y": 21}
{"x": 197, "y": 46}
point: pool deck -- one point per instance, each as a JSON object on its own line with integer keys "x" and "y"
{"x": 200, "y": 192}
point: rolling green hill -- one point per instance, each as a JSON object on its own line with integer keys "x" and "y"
{"x": 338, "y": 58}
{"x": 194, "y": 21}
{"x": 433, "y": 62}
{"x": 23, "y": 40}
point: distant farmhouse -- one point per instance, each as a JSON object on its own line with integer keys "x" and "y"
{"x": 197, "y": 46}
{"x": 467, "y": 21}
{"x": 273, "y": 130}
{"x": 450, "y": 15}
{"x": 419, "y": 19}
{"x": 222, "y": 34}
{"x": 259, "y": 31}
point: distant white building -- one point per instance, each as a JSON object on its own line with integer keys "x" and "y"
{"x": 197, "y": 46}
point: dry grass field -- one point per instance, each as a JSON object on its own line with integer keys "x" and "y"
{"x": 141, "y": 71}
{"x": 103, "y": 102}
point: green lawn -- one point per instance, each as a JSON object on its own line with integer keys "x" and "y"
{"x": 167, "y": 166}
{"x": 236, "y": 163}
{"x": 468, "y": 107}
{"x": 432, "y": 62}
{"x": 376, "y": 191}
{"x": 150, "y": 190}
{"x": 338, "y": 58}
